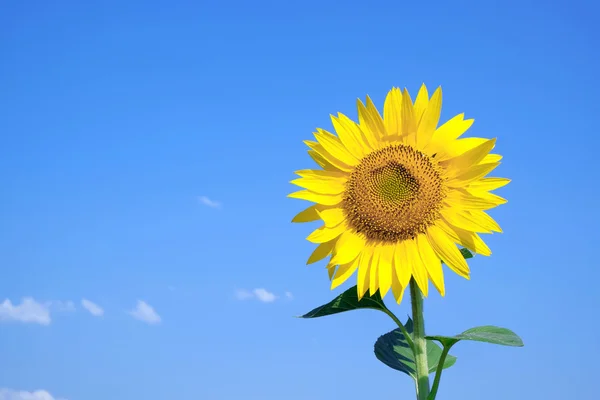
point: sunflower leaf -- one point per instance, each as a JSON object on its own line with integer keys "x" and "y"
{"x": 487, "y": 334}
{"x": 393, "y": 350}
{"x": 348, "y": 301}
{"x": 466, "y": 253}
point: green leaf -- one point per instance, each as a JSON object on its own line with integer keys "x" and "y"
{"x": 466, "y": 253}
{"x": 488, "y": 334}
{"x": 393, "y": 350}
{"x": 348, "y": 301}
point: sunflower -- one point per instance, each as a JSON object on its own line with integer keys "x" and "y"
{"x": 397, "y": 194}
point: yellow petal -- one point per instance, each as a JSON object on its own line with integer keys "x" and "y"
{"x": 386, "y": 259}
{"x": 326, "y": 133}
{"x": 321, "y": 161}
{"x": 374, "y": 272}
{"x": 488, "y": 184}
{"x": 323, "y": 185}
{"x": 468, "y": 239}
{"x": 368, "y": 139}
{"x": 392, "y": 109}
{"x": 397, "y": 288}
{"x": 322, "y": 251}
{"x": 401, "y": 264}
{"x": 324, "y": 234}
{"x": 432, "y": 262}
{"x": 376, "y": 117}
{"x": 421, "y": 103}
{"x": 459, "y": 164}
{"x": 491, "y": 198}
{"x": 332, "y": 216}
{"x": 335, "y": 147}
{"x": 364, "y": 272}
{"x": 491, "y": 158}
{"x": 308, "y": 215}
{"x": 331, "y": 271}
{"x": 319, "y": 173}
{"x": 351, "y": 138}
{"x": 324, "y": 199}
{"x": 459, "y": 198}
{"x": 332, "y": 160}
{"x": 369, "y": 119}
{"x": 452, "y": 129}
{"x": 447, "y": 251}
{"x": 349, "y": 245}
{"x": 473, "y": 242}
{"x": 344, "y": 272}
{"x": 449, "y": 231}
{"x": 462, "y": 220}
{"x": 484, "y": 220}
{"x": 409, "y": 127}
{"x": 430, "y": 119}
{"x": 419, "y": 272}
{"x": 447, "y": 150}
{"x": 472, "y": 174}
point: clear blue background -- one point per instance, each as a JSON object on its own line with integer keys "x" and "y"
{"x": 115, "y": 116}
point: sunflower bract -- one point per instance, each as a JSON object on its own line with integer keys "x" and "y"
{"x": 397, "y": 194}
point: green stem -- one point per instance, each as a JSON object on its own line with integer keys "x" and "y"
{"x": 416, "y": 299}
{"x": 438, "y": 373}
{"x": 402, "y": 328}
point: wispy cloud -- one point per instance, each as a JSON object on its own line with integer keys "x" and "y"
{"x": 9, "y": 394}
{"x": 259, "y": 294}
{"x": 93, "y": 308}
{"x": 29, "y": 311}
{"x": 145, "y": 313}
{"x": 289, "y": 295}
{"x": 209, "y": 202}
{"x": 264, "y": 295}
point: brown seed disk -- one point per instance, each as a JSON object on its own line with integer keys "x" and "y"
{"x": 394, "y": 194}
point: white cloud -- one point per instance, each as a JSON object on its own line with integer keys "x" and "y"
{"x": 144, "y": 312}
{"x": 289, "y": 295}
{"x": 264, "y": 295}
{"x": 260, "y": 294}
{"x": 93, "y": 308}
{"x": 8, "y": 394}
{"x": 208, "y": 202}
{"x": 29, "y": 311}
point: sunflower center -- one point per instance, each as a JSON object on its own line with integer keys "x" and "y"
{"x": 394, "y": 194}
{"x": 394, "y": 183}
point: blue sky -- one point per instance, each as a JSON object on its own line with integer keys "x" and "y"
{"x": 145, "y": 159}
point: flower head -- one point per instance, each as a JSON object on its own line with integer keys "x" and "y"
{"x": 397, "y": 193}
